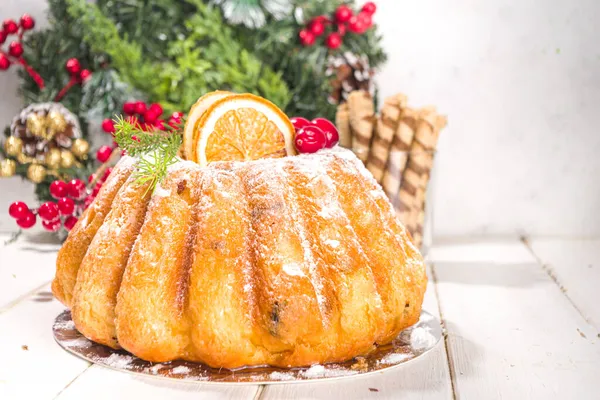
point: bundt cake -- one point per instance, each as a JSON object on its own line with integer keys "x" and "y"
{"x": 287, "y": 262}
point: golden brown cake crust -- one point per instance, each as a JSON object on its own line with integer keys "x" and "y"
{"x": 286, "y": 262}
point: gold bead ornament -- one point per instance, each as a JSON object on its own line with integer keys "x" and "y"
{"x": 7, "y": 168}
{"x": 80, "y": 148}
{"x": 36, "y": 173}
{"x": 13, "y": 146}
{"x": 53, "y": 158}
{"x": 67, "y": 159}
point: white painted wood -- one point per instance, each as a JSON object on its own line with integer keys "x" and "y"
{"x": 469, "y": 250}
{"x": 575, "y": 264}
{"x": 99, "y": 383}
{"x": 43, "y": 369}
{"x": 424, "y": 378}
{"x": 25, "y": 265}
{"x": 514, "y": 335}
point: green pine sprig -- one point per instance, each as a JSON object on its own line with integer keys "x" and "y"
{"x": 157, "y": 150}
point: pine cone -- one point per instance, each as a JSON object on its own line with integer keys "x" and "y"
{"x": 348, "y": 73}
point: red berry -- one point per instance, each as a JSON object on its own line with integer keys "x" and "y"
{"x": 103, "y": 153}
{"x": 316, "y": 27}
{"x": 52, "y": 226}
{"x": 177, "y": 115}
{"x": 96, "y": 189}
{"x": 73, "y": 66}
{"x": 343, "y": 14}
{"x": 2, "y": 36}
{"x": 129, "y": 108}
{"x": 299, "y": 122}
{"x": 107, "y": 173}
{"x": 15, "y": 49}
{"x": 76, "y": 189}
{"x": 156, "y": 108}
{"x": 27, "y": 221}
{"x": 369, "y": 8}
{"x": 333, "y": 41}
{"x": 306, "y": 37}
{"x": 66, "y": 206}
{"x": 10, "y": 26}
{"x": 4, "y": 62}
{"x": 140, "y": 108}
{"x": 150, "y": 116}
{"x": 108, "y": 125}
{"x": 331, "y": 133}
{"x": 70, "y": 223}
{"x": 27, "y": 22}
{"x": 91, "y": 178}
{"x": 85, "y": 74}
{"x": 160, "y": 124}
{"x": 341, "y": 28}
{"x": 366, "y": 19}
{"x": 59, "y": 189}
{"x": 356, "y": 25}
{"x": 48, "y": 211}
{"x": 18, "y": 210}
{"x": 310, "y": 139}
{"x": 88, "y": 201}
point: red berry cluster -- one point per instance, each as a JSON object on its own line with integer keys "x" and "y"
{"x": 312, "y": 136}
{"x": 72, "y": 198}
{"x": 78, "y": 76}
{"x": 15, "y": 48}
{"x": 146, "y": 117}
{"x": 343, "y": 20}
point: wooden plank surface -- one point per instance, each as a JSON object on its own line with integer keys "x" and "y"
{"x": 575, "y": 264}
{"x": 513, "y": 334}
{"x": 25, "y": 265}
{"x": 424, "y": 378}
{"x": 99, "y": 383}
{"x": 33, "y": 366}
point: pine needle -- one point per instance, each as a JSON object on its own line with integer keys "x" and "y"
{"x": 157, "y": 150}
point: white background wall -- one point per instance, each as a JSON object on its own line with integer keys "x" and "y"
{"x": 520, "y": 82}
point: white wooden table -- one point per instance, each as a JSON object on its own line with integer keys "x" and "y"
{"x": 522, "y": 321}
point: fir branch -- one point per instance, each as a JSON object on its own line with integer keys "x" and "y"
{"x": 157, "y": 150}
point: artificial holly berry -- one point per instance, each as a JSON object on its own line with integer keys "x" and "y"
{"x": 18, "y": 210}
{"x": 2, "y": 36}
{"x": 103, "y": 153}
{"x": 107, "y": 173}
{"x": 85, "y": 74}
{"x": 73, "y": 66}
{"x": 333, "y": 41}
{"x": 59, "y": 189}
{"x": 343, "y": 14}
{"x": 70, "y": 223}
{"x": 10, "y": 26}
{"x": 150, "y": 116}
{"x": 27, "y": 221}
{"x": 48, "y": 211}
{"x": 369, "y": 8}
{"x": 96, "y": 189}
{"x": 52, "y": 226}
{"x": 177, "y": 115}
{"x": 299, "y": 123}
{"x": 160, "y": 124}
{"x": 108, "y": 125}
{"x": 341, "y": 29}
{"x": 156, "y": 108}
{"x": 366, "y": 19}
{"x": 306, "y": 37}
{"x": 66, "y": 206}
{"x": 27, "y": 22}
{"x": 310, "y": 139}
{"x": 356, "y": 25}
{"x": 331, "y": 133}
{"x": 4, "y": 62}
{"x": 140, "y": 108}
{"x": 129, "y": 108}
{"x": 76, "y": 189}
{"x": 15, "y": 49}
{"x": 316, "y": 27}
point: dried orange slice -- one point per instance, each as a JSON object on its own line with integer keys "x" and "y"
{"x": 242, "y": 127}
{"x": 197, "y": 110}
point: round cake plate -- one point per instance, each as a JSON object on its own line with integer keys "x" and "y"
{"x": 413, "y": 342}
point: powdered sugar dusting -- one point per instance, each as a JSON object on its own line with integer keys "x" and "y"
{"x": 120, "y": 361}
{"x": 319, "y": 371}
{"x": 292, "y": 269}
{"x": 334, "y": 244}
{"x": 395, "y": 358}
{"x": 281, "y": 376}
{"x": 422, "y": 337}
{"x": 182, "y": 369}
